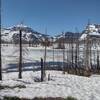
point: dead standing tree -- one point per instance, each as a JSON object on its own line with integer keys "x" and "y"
{"x": 72, "y": 52}
{"x": 63, "y": 44}
{"x": 53, "y": 50}
{"x": 76, "y": 55}
{"x": 20, "y": 54}
{"x": 98, "y": 62}
{"x": 0, "y": 48}
{"x": 87, "y": 56}
{"x": 42, "y": 70}
{"x": 67, "y": 52}
{"x": 45, "y": 54}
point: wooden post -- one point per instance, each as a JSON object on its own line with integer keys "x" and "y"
{"x": 20, "y": 54}
{"x": 42, "y": 70}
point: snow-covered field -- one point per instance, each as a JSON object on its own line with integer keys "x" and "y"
{"x": 59, "y": 85}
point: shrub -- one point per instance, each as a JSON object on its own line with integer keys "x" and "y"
{"x": 56, "y": 98}
{"x": 11, "y": 87}
{"x": 70, "y": 98}
{"x": 3, "y": 87}
{"x": 11, "y": 98}
{"x": 19, "y": 86}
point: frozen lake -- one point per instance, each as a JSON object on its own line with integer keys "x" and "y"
{"x": 33, "y": 55}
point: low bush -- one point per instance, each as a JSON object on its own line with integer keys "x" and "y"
{"x": 3, "y": 87}
{"x": 11, "y": 87}
{"x": 70, "y": 98}
{"x": 11, "y": 98}
{"x": 39, "y": 98}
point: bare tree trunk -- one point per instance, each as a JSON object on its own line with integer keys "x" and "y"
{"x": 45, "y": 55}
{"x": 67, "y": 51}
{"x": 91, "y": 54}
{"x": 72, "y": 54}
{"x": 53, "y": 50}
{"x": 87, "y": 57}
{"x": 20, "y": 54}
{"x": 42, "y": 70}
{"x": 0, "y": 48}
{"x": 76, "y": 56}
{"x": 64, "y": 55}
{"x": 98, "y": 64}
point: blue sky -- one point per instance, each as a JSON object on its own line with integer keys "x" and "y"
{"x": 55, "y": 15}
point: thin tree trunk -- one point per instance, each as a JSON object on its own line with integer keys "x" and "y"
{"x": 76, "y": 56}
{"x": 72, "y": 54}
{"x": 67, "y": 56}
{"x": 64, "y": 55}
{"x": 42, "y": 70}
{"x": 0, "y": 46}
{"x": 0, "y": 50}
{"x": 20, "y": 54}
{"x": 45, "y": 53}
{"x": 53, "y": 50}
{"x": 98, "y": 64}
{"x": 87, "y": 57}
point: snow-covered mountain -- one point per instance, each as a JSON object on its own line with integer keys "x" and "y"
{"x": 11, "y": 34}
{"x": 92, "y": 30}
{"x": 28, "y": 35}
{"x": 67, "y": 36}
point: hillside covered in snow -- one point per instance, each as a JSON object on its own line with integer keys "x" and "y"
{"x": 91, "y": 30}
{"x": 11, "y": 35}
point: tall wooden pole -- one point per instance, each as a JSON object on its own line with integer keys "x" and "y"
{"x": 0, "y": 46}
{"x": 20, "y": 54}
